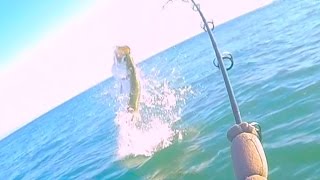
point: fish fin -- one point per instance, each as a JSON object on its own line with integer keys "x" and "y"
{"x": 121, "y": 91}
{"x": 135, "y": 115}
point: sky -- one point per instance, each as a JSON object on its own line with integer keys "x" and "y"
{"x": 51, "y": 51}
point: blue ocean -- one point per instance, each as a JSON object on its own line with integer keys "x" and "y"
{"x": 185, "y": 110}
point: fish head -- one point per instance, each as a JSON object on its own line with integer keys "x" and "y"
{"x": 120, "y": 53}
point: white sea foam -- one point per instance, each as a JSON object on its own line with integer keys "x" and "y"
{"x": 160, "y": 109}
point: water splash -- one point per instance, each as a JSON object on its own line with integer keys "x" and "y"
{"x": 160, "y": 109}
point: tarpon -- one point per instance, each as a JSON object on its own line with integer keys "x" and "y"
{"x": 126, "y": 71}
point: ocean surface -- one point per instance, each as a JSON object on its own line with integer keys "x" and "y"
{"x": 185, "y": 110}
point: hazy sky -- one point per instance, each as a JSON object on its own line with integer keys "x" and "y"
{"x": 50, "y": 51}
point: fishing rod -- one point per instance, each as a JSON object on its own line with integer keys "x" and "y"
{"x": 233, "y": 102}
{"x": 220, "y": 65}
{"x": 249, "y": 159}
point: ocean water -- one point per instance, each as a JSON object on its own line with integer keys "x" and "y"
{"x": 185, "y": 111}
